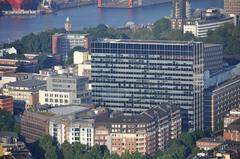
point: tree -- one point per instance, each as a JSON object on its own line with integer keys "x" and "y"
{"x": 49, "y": 150}
{"x": 67, "y": 150}
{"x": 45, "y": 61}
{"x": 160, "y": 26}
{"x": 70, "y": 53}
{"x": 7, "y": 122}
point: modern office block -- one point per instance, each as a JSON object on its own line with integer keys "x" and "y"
{"x": 132, "y": 76}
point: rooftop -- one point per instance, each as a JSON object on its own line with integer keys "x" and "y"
{"x": 8, "y": 134}
{"x": 134, "y": 41}
{"x": 27, "y": 83}
{"x": 234, "y": 125}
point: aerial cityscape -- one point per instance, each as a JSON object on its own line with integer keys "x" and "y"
{"x": 119, "y": 79}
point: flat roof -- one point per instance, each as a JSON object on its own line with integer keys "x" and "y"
{"x": 65, "y": 110}
{"x": 133, "y": 41}
{"x": 27, "y": 83}
{"x": 4, "y": 97}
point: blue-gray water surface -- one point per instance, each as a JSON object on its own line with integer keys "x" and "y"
{"x": 12, "y": 28}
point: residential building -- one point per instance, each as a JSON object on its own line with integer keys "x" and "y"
{"x": 63, "y": 43}
{"x": 24, "y": 92}
{"x": 6, "y": 103}
{"x": 181, "y": 10}
{"x": 218, "y": 102}
{"x": 205, "y": 21}
{"x": 64, "y": 90}
{"x": 145, "y": 132}
{"x": 135, "y": 75}
{"x": 34, "y": 125}
{"x": 213, "y": 58}
{"x": 232, "y": 131}
{"x": 74, "y": 124}
{"x": 233, "y": 7}
{"x": 207, "y": 144}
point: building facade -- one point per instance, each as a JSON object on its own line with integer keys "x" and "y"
{"x": 25, "y": 92}
{"x": 218, "y": 102}
{"x": 233, "y": 7}
{"x": 63, "y": 43}
{"x": 210, "y": 19}
{"x": 6, "y": 103}
{"x": 213, "y": 58}
{"x": 181, "y": 10}
{"x": 133, "y": 76}
{"x": 65, "y": 90}
{"x": 145, "y": 132}
{"x": 34, "y": 125}
{"x": 232, "y": 132}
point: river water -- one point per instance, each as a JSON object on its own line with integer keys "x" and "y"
{"x": 12, "y": 28}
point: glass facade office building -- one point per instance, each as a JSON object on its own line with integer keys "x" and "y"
{"x": 132, "y": 76}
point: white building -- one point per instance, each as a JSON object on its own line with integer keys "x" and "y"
{"x": 210, "y": 19}
{"x": 10, "y": 51}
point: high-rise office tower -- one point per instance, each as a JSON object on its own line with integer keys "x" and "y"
{"x": 132, "y": 76}
{"x": 181, "y": 10}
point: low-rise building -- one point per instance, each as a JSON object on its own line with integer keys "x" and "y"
{"x": 6, "y": 103}
{"x": 209, "y": 143}
{"x": 64, "y": 90}
{"x": 25, "y": 92}
{"x": 13, "y": 77}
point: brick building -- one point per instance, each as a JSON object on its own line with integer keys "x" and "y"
{"x": 6, "y": 103}
{"x": 34, "y": 125}
{"x": 232, "y": 132}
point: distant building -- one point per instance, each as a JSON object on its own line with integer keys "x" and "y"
{"x": 135, "y": 75}
{"x": 6, "y": 103}
{"x": 145, "y": 132}
{"x": 64, "y": 90}
{"x": 218, "y": 102}
{"x": 13, "y": 77}
{"x": 181, "y": 10}
{"x": 205, "y": 21}
{"x": 10, "y": 51}
{"x": 68, "y": 25}
{"x": 207, "y": 144}
{"x": 24, "y": 92}
{"x": 233, "y": 7}
{"x": 63, "y": 43}
{"x": 232, "y": 131}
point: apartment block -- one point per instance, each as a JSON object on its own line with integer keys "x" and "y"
{"x": 25, "y": 92}
{"x": 233, "y": 7}
{"x": 64, "y": 90}
{"x": 145, "y": 132}
{"x": 218, "y": 102}
{"x": 82, "y": 62}
{"x": 135, "y": 75}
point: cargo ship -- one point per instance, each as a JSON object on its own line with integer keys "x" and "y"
{"x": 128, "y": 3}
